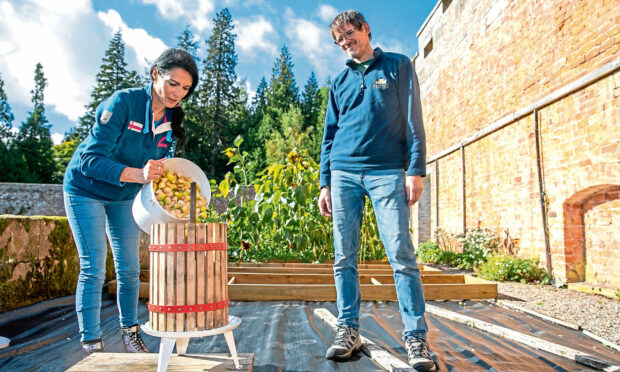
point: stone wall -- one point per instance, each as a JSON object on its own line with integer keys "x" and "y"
{"x": 491, "y": 59}
{"x": 38, "y": 260}
{"x": 31, "y": 199}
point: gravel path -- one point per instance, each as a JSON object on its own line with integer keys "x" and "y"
{"x": 594, "y": 313}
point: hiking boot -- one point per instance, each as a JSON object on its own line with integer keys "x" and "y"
{"x": 418, "y": 355}
{"x": 132, "y": 341}
{"x": 346, "y": 342}
{"x": 89, "y": 347}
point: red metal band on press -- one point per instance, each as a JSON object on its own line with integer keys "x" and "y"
{"x": 191, "y": 247}
{"x": 179, "y": 309}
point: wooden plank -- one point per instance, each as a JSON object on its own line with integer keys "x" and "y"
{"x": 282, "y": 278}
{"x": 225, "y": 265}
{"x": 531, "y": 341}
{"x": 327, "y": 292}
{"x": 170, "y": 288}
{"x": 181, "y": 280}
{"x": 210, "y": 294}
{"x": 217, "y": 277}
{"x": 161, "y": 280}
{"x": 129, "y": 362}
{"x": 384, "y": 266}
{"x": 200, "y": 272}
{"x": 191, "y": 277}
{"x": 318, "y": 270}
{"x": 377, "y": 354}
{"x": 152, "y": 271}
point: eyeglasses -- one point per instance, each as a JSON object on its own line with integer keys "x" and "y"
{"x": 346, "y": 36}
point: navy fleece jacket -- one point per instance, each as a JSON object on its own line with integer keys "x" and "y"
{"x": 374, "y": 119}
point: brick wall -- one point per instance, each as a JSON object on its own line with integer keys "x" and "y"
{"x": 492, "y": 58}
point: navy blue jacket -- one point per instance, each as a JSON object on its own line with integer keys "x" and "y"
{"x": 374, "y": 119}
{"x": 122, "y": 136}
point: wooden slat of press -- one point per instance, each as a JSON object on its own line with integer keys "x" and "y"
{"x": 217, "y": 276}
{"x": 161, "y": 277}
{"x": 151, "y": 273}
{"x": 191, "y": 277}
{"x": 200, "y": 272}
{"x": 225, "y": 274}
{"x": 180, "y": 284}
{"x": 209, "y": 275}
{"x": 170, "y": 269}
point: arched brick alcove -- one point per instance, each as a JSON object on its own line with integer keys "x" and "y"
{"x": 575, "y": 208}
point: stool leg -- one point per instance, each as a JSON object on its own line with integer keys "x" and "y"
{"x": 230, "y": 340}
{"x": 182, "y": 345}
{"x": 165, "y": 351}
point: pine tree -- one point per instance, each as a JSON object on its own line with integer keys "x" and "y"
{"x": 260, "y": 98}
{"x": 316, "y": 137}
{"x": 188, "y": 43}
{"x": 293, "y": 136}
{"x": 283, "y": 92}
{"x": 12, "y": 162}
{"x": 310, "y": 101}
{"x": 112, "y": 76}
{"x": 219, "y": 97}
{"x": 34, "y": 141}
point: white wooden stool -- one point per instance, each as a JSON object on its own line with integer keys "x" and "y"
{"x": 168, "y": 339}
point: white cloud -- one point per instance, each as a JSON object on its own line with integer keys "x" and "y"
{"x": 65, "y": 37}
{"x": 57, "y": 138}
{"x": 313, "y": 43}
{"x": 255, "y": 34}
{"x": 327, "y": 13}
{"x": 195, "y": 12}
{"x": 393, "y": 46}
{"x": 145, "y": 46}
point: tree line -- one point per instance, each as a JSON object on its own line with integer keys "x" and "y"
{"x": 278, "y": 119}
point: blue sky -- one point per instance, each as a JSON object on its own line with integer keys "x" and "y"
{"x": 69, "y": 38}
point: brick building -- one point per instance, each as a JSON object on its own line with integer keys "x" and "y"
{"x": 521, "y": 99}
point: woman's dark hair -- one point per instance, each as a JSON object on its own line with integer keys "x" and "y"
{"x": 355, "y": 18}
{"x": 177, "y": 58}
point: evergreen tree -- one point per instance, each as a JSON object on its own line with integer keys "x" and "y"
{"x": 219, "y": 98}
{"x": 34, "y": 141}
{"x": 260, "y": 98}
{"x": 283, "y": 92}
{"x": 188, "y": 43}
{"x": 6, "y": 116}
{"x": 310, "y": 101}
{"x": 112, "y": 76}
{"x": 293, "y": 136}
{"x": 316, "y": 137}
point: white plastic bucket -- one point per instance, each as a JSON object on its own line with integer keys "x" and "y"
{"x": 147, "y": 210}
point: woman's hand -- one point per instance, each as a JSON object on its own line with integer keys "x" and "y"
{"x": 151, "y": 171}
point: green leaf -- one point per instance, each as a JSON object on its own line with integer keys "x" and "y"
{"x": 238, "y": 141}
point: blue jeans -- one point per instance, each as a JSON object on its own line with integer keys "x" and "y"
{"x": 90, "y": 221}
{"x": 386, "y": 190}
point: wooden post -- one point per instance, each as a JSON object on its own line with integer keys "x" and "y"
{"x": 191, "y": 276}
{"x": 209, "y": 277}
{"x": 200, "y": 272}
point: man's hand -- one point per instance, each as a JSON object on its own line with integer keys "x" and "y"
{"x": 414, "y": 187}
{"x": 325, "y": 201}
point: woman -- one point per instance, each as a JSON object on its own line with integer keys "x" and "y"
{"x": 134, "y": 130}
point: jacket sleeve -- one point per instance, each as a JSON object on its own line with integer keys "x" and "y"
{"x": 329, "y": 132}
{"x": 409, "y": 95}
{"x": 110, "y": 118}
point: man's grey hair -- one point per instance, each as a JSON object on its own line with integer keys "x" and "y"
{"x": 355, "y": 18}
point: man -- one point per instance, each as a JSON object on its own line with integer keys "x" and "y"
{"x": 373, "y": 144}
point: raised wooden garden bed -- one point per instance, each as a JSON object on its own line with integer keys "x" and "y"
{"x": 315, "y": 282}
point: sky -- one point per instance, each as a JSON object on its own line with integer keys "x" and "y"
{"x": 69, "y": 39}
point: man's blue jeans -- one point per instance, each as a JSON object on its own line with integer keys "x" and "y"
{"x": 386, "y": 190}
{"x": 91, "y": 220}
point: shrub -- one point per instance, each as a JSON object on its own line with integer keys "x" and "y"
{"x": 477, "y": 244}
{"x": 502, "y": 267}
{"x": 429, "y": 252}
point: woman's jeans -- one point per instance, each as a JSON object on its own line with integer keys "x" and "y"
{"x": 91, "y": 220}
{"x": 386, "y": 190}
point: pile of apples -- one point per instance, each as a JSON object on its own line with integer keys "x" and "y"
{"x": 173, "y": 194}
